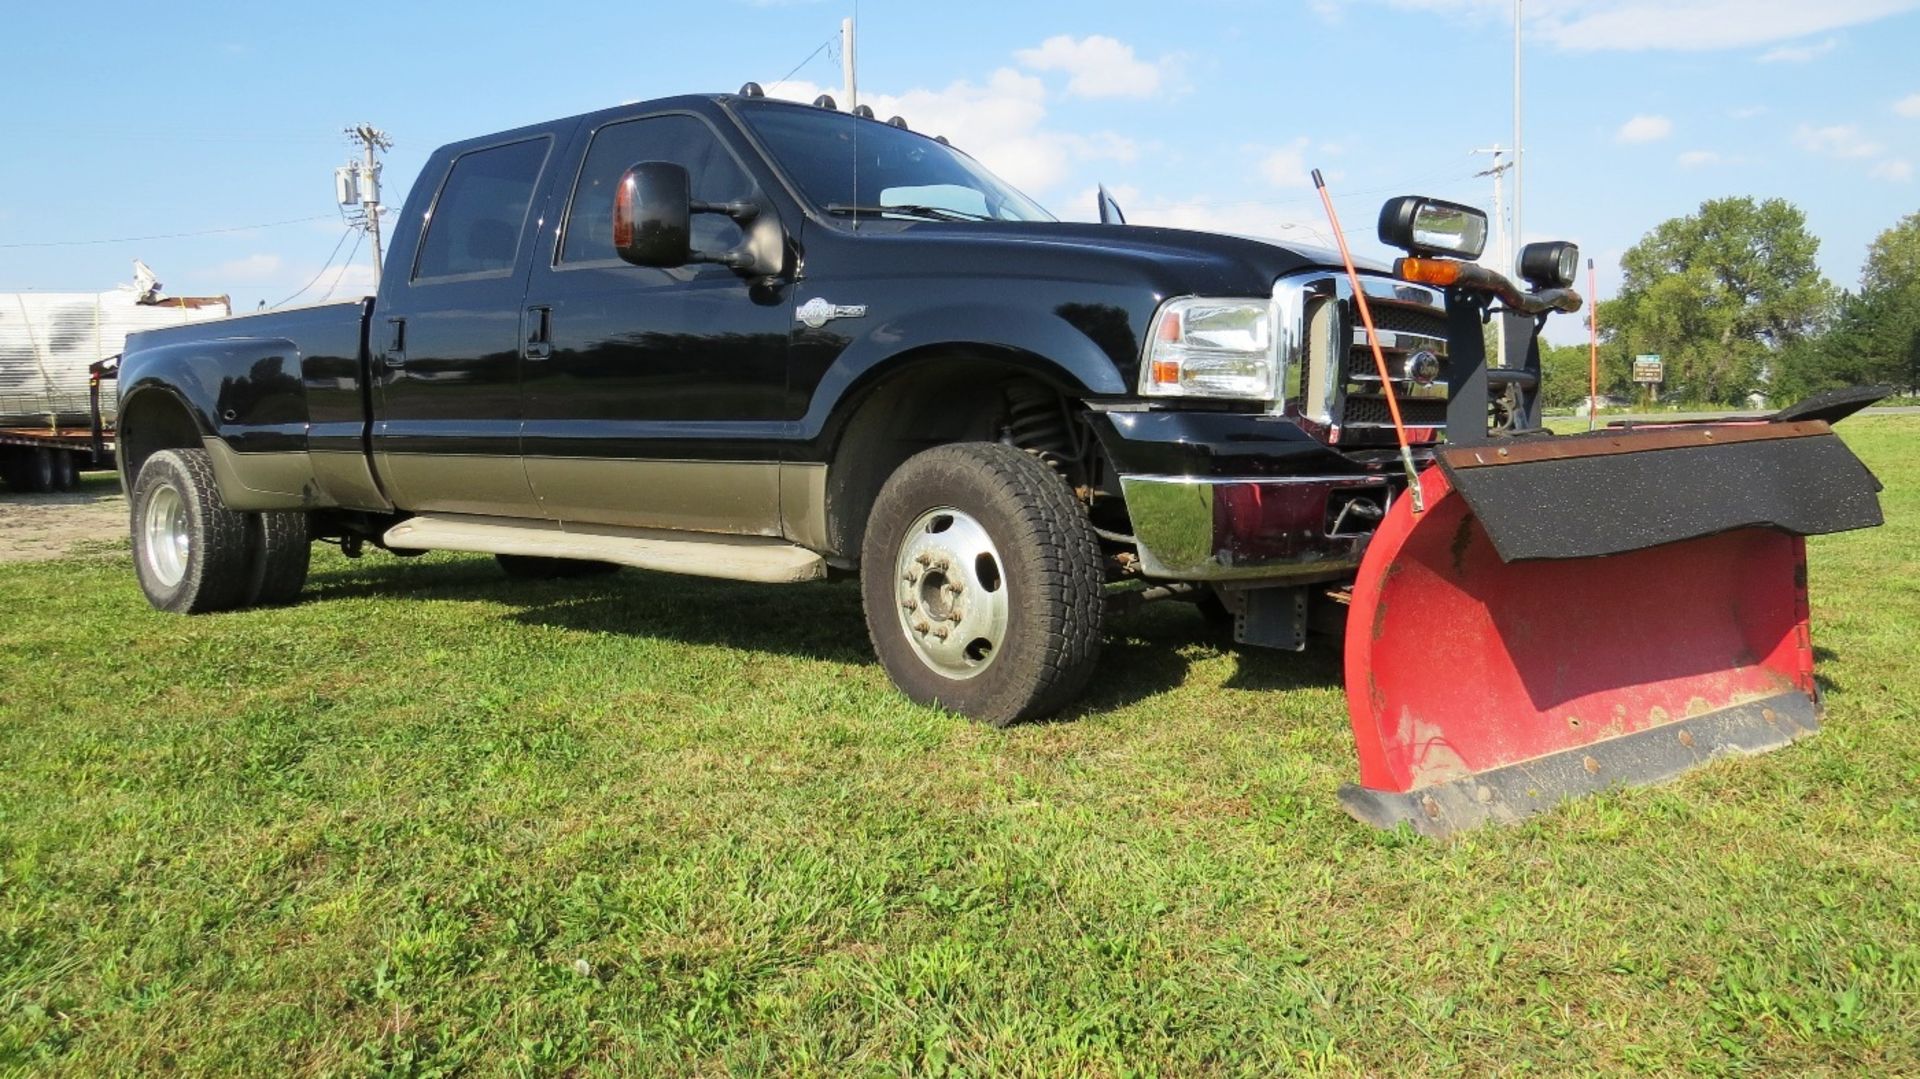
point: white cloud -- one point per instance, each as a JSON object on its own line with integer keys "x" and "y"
{"x": 251, "y": 269}
{"x": 1700, "y": 159}
{"x": 352, "y": 283}
{"x": 1001, "y": 122}
{"x": 1234, "y": 219}
{"x": 1287, "y": 166}
{"x": 1896, "y": 171}
{"x": 1644, "y": 129}
{"x": 1908, "y": 106}
{"x": 1747, "y": 112}
{"x": 1099, "y": 66}
{"x": 1837, "y": 140}
{"x": 1798, "y": 54}
{"x": 1675, "y": 25}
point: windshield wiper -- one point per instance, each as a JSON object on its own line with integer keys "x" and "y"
{"x": 930, "y": 213}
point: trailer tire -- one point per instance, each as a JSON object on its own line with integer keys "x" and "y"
{"x": 279, "y": 550}
{"x": 190, "y": 552}
{"x": 526, "y": 567}
{"x": 13, "y": 467}
{"x": 982, "y": 584}
{"x": 40, "y": 470}
{"x": 66, "y": 470}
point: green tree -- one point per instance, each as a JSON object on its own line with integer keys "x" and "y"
{"x": 1874, "y": 337}
{"x": 1884, "y": 319}
{"x": 1719, "y": 294}
{"x": 1564, "y": 375}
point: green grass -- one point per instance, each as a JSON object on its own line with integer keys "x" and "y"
{"x": 431, "y": 821}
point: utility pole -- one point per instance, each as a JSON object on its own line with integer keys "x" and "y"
{"x": 1502, "y": 235}
{"x": 846, "y": 63}
{"x": 1519, "y": 152}
{"x": 366, "y": 187}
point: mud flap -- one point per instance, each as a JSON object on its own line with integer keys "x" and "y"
{"x": 1577, "y": 613}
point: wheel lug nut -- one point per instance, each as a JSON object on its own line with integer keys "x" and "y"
{"x": 923, "y": 558}
{"x": 940, "y": 632}
{"x": 955, "y": 615}
{"x": 911, "y": 605}
{"x": 956, "y": 587}
{"x": 920, "y": 626}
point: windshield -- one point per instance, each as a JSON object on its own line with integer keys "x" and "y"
{"x": 901, "y": 174}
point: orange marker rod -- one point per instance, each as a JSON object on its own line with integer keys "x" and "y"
{"x": 1373, "y": 340}
{"x": 1593, "y": 349}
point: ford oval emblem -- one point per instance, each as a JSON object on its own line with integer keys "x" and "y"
{"x": 1423, "y": 367}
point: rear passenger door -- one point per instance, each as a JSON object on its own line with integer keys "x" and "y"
{"x": 651, "y": 401}
{"x": 446, "y": 342}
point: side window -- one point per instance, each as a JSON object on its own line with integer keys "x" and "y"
{"x": 481, "y": 212}
{"x": 683, "y": 140}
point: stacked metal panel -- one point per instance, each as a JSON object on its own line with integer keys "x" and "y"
{"x": 48, "y": 339}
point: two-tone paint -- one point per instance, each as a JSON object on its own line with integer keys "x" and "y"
{"x": 692, "y": 398}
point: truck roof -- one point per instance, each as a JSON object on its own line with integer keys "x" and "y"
{"x": 613, "y": 112}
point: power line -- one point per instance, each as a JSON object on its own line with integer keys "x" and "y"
{"x": 801, "y": 64}
{"x": 323, "y": 267}
{"x": 344, "y": 267}
{"x": 166, "y": 235}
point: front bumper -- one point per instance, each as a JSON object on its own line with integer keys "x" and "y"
{"x": 1192, "y": 528}
{"x": 1237, "y": 496}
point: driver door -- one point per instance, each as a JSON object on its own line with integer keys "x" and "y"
{"x": 644, "y": 386}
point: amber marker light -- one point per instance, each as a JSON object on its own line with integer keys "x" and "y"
{"x": 1441, "y": 273}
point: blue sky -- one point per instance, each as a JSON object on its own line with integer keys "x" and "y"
{"x": 1205, "y": 113}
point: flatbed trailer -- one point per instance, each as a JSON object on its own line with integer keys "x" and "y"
{"x": 38, "y": 458}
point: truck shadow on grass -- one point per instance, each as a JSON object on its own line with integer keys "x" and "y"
{"x": 1147, "y": 652}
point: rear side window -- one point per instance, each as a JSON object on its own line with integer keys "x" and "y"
{"x": 683, "y": 140}
{"x": 482, "y": 209}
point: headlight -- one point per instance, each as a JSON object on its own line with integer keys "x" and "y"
{"x": 1211, "y": 348}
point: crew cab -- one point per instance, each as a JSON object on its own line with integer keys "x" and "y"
{"x": 769, "y": 341}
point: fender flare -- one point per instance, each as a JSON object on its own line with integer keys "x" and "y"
{"x": 1056, "y": 350}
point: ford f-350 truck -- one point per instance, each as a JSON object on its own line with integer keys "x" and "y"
{"x": 792, "y": 341}
{"x": 768, "y": 341}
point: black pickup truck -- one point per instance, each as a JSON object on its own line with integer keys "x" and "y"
{"x": 767, "y": 341}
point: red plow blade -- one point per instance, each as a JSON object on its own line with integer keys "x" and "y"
{"x": 1485, "y": 689}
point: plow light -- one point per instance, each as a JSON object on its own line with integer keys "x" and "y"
{"x": 1550, "y": 265}
{"x": 1423, "y": 226}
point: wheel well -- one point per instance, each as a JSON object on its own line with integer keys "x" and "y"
{"x": 151, "y": 422}
{"x": 953, "y": 396}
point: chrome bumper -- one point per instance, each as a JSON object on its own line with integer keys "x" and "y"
{"x": 1196, "y": 528}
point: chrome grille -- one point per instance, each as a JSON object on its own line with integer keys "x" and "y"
{"x": 1331, "y": 375}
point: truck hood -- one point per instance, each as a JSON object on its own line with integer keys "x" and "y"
{"x": 1174, "y": 260}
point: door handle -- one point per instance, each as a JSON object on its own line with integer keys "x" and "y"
{"x": 539, "y": 333}
{"x": 396, "y": 350}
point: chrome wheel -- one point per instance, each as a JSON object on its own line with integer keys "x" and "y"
{"x": 167, "y": 542}
{"x": 952, "y": 593}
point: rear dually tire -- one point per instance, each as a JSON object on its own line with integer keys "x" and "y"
{"x": 190, "y": 552}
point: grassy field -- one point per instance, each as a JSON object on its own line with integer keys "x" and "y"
{"x": 432, "y": 821}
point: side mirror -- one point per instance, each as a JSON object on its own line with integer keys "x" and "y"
{"x": 652, "y": 215}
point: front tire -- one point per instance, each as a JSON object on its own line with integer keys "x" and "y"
{"x": 980, "y": 575}
{"x": 190, "y": 551}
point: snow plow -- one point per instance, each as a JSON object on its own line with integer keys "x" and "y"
{"x": 1543, "y": 616}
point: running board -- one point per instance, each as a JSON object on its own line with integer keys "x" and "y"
{"x": 734, "y": 558}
